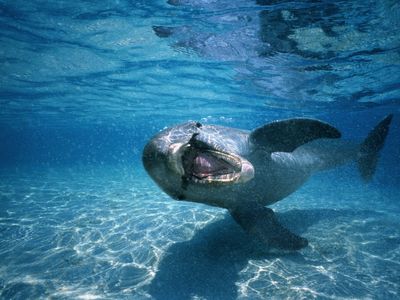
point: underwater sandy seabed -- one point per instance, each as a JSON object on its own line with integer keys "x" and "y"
{"x": 107, "y": 232}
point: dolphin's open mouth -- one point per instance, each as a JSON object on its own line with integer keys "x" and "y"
{"x": 212, "y": 166}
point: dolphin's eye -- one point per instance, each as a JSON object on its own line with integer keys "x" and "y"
{"x": 193, "y": 138}
{"x": 197, "y": 144}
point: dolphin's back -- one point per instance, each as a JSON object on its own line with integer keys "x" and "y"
{"x": 323, "y": 154}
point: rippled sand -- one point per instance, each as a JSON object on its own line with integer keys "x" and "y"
{"x": 110, "y": 233}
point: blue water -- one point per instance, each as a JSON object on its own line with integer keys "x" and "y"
{"x": 84, "y": 85}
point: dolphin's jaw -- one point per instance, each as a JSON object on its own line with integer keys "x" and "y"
{"x": 175, "y": 152}
{"x": 208, "y": 166}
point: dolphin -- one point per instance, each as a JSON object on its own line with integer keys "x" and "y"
{"x": 245, "y": 171}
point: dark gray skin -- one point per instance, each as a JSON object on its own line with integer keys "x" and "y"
{"x": 243, "y": 171}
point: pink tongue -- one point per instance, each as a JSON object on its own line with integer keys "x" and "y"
{"x": 205, "y": 164}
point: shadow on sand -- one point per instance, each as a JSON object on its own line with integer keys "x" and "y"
{"x": 208, "y": 265}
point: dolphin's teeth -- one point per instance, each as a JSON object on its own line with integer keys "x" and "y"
{"x": 211, "y": 165}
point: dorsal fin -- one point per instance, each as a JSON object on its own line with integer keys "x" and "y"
{"x": 287, "y": 135}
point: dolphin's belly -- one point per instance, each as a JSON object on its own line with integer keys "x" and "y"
{"x": 276, "y": 178}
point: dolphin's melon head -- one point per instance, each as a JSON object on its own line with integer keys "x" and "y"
{"x": 185, "y": 155}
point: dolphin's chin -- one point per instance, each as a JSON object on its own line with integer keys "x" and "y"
{"x": 209, "y": 166}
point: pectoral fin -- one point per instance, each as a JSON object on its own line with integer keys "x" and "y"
{"x": 262, "y": 223}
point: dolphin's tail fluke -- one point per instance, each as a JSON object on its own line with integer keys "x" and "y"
{"x": 369, "y": 151}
